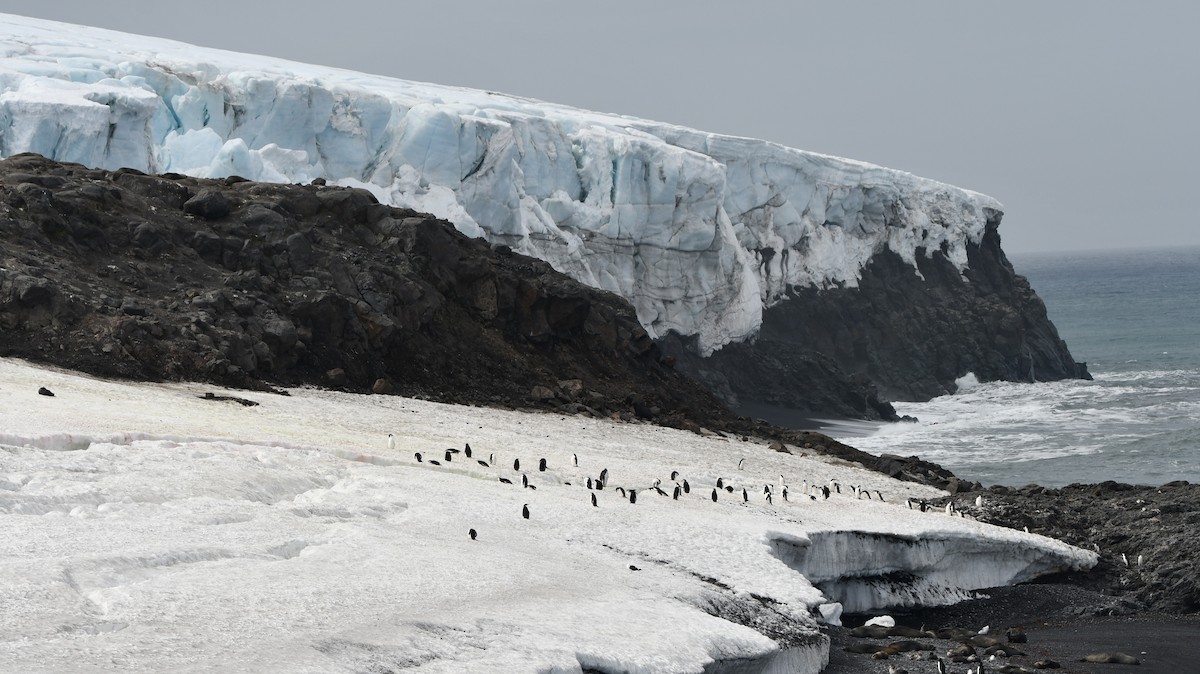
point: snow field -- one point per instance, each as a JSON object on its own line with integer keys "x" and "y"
{"x": 287, "y": 537}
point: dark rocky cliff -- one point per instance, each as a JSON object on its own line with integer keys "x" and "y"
{"x": 249, "y": 284}
{"x": 897, "y": 336}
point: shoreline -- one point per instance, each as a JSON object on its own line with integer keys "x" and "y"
{"x": 1061, "y": 622}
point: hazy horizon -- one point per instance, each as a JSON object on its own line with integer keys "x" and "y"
{"x": 1077, "y": 116}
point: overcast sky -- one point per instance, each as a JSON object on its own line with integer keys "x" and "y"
{"x": 1082, "y": 117}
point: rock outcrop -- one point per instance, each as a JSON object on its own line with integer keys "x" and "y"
{"x": 902, "y": 333}
{"x": 249, "y": 284}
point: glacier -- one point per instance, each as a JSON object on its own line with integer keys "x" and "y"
{"x": 700, "y": 232}
{"x": 148, "y": 529}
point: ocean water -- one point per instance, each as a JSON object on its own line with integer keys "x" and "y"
{"x": 1134, "y": 317}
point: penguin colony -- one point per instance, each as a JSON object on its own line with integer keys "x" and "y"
{"x": 680, "y": 485}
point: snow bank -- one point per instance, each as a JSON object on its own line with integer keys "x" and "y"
{"x": 699, "y": 231}
{"x": 147, "y": 529}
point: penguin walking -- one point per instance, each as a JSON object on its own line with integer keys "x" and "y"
{"x": 391, "y": 441}
{"x": 769, "y": 501}
{"x": 525, "y": 511}
{"x": 417, "y": 456}
{"x": 472, "y": 533}
{"x": 594, "y": 504}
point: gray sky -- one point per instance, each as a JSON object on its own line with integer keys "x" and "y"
{"x": 1082, "y": 117}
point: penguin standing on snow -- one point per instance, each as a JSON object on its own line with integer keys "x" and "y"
{"x": 516, "y": 464}
{"x": 449, "y": 456}
{"x": 575, "y": 460}
{"x": 675, "y": 494}
{"x": 741, "y": 462}
{"x": 745, "y": 496}
{"x": 417, "y": 456}
{"x": 391, "y": 441}
{"x": 541, "y": 465}
{"x": 525, "y": 511}
{"x": 714, "y": 496}
{"x": 472, "y": 534}
{"x": 633, "y": 496}
{"x": 594, "y": 505}
{"x": 687, "y": 488}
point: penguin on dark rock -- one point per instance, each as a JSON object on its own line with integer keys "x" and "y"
{"x": 525, "y": 511}
{"x": 472, "y": 534}
{"x": 541, "y": 465}
{"x": 418, "y": 457}
{"x": 594, "y": 505}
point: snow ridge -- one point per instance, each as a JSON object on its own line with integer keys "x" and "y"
{"x": 699, "y": 231}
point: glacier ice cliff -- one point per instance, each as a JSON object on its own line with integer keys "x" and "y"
{"x": 708, "y": 236}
